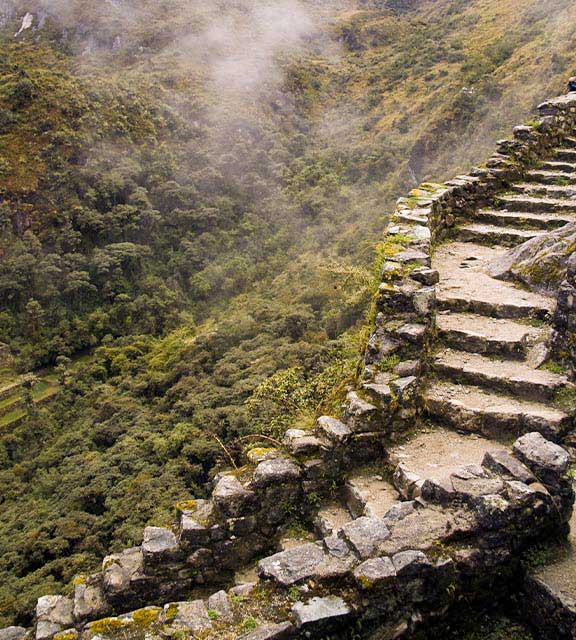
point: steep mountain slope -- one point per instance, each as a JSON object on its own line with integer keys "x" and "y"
{"x": 209, "y": 217}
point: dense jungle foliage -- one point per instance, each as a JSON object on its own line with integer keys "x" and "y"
{"x": 203, "y": 222}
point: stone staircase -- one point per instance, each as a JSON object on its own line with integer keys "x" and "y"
{"x": 487, "y": 385}
{"x": 493, "y": 335}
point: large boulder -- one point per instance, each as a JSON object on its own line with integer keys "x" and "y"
{"x": 541, "y": 263}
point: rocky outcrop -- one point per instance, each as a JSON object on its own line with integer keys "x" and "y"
{"x": 540, "y": 263}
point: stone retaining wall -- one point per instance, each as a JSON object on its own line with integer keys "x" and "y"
{"x": 552, "y": 613}
{"x": 394, "y": 574}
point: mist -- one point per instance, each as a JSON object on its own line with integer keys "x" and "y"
{"x": 237, "y": 46}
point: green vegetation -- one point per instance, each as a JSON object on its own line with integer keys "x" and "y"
{"x": 213, "y": 252}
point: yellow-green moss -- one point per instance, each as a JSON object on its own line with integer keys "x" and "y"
{"x": 187, "y": 505}
{"x": 543, "y": 273}
{"x": 107, "y": 625}
{"x": 259, "y": 452}
{"x": 146, "y": 617}
{"x": 69, "y": 634}
{"x": 366, "y": 584}
{"x": 171, "y": 612}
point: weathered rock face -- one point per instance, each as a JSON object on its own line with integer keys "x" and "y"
{"x": 292, "y": 566}
{"x": 13, "y": 633}
{"x": 53, "y": 614}
{"x": 186, "y": 616}
{"x": 318, "y": 612}
{"x": 231, "y": 497}
{"x": 540, "y": 263}
{"x": 89, "y": 598}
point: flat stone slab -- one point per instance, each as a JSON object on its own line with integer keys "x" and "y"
{"x": 292, "y": 566}
{"x": 524, "y": 218}
{"x": 439, "y": 452}
{"x": 365, "y": 535}
{"x": 531, "y": 203}
{"x": 319, "y": 610}
{"x": 509, "y": 375}
{"x": 424, "y": 529}
{"x": 495, "y": 234}
{"x": 375, "y": 572}
{"x": 465, "y": 285}
{"x": 485, "y": 334}
{"x": 552, "y": 190}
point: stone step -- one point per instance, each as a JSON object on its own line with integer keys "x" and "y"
{"x": 536, "y": 205}
{"x": 490, "y": 234}
{"x": 496, "y": 416}
{"x": 369, "y": 494}
{"x": 569, "y": 142}
{"x": 522, "y": 220}
{"x": 550, "y": 177}
{"x": 558, "y": 165}
{"x": 565, "y": 155}
{"x": 553, "y": 586}
{"x": 466, "y": 287}
{"x": 507, "y": 376}
{"x": 495, "y": 309}
{"x": 480, "y": 334}
{"x": 436, "y": 452}
{"x": 330, "y": 518}
{"x": 554, "y": 191}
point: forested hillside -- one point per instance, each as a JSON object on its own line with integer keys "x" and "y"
{"x": 193, "y": 194}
